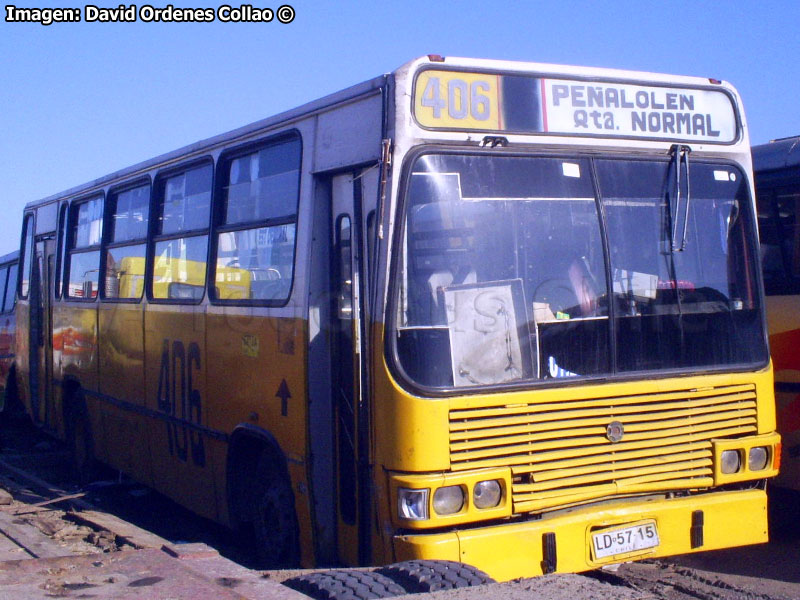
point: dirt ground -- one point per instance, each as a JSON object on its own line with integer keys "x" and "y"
{"x": 766, "y": 572}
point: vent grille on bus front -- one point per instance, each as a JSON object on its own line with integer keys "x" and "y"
{"x": 560, "y": 454}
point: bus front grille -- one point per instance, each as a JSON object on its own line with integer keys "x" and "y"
{"x": 560, "y": 454}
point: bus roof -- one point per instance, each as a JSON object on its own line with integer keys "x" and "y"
{"x": 777, "y": 154}
{"x": 10, "y": 257}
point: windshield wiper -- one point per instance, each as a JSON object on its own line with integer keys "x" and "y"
{"x": 681, "y": 156}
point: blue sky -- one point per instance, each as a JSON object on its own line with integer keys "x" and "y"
{"x": 78, "y": 101}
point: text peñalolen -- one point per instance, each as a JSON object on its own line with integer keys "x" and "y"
{"x": 650, "y": 111}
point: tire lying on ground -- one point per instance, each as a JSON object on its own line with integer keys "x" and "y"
{"x": 418, "y": 576}
{"x": 345, "y": 585}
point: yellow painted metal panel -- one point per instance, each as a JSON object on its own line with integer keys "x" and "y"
{"x": 616, "y": 474}
{"x": 710, "y": 430}
{"x": 175, "y": 360}
{"x": 523, "y": 457}
{"x": 410, "y": 433}
{"x": 541, "y": 502}
{"x": 256, "y": 365}
{"x": 658, "y": 451}
{"x": 124, "y": 437}
{"x": 515, "y": 550}
{"x": 561, "y": 472}
{"x": 609, "y": 394}
{"x": 571, "y": 410}
{"x": 597, "y": 426}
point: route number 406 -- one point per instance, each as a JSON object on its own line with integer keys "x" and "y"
{"x": 461, "y": 99}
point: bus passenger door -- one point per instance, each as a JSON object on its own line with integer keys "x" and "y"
{"x": 347, "y": 352}
{"x": 40, "y": 331}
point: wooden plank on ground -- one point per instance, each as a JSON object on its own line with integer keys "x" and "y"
{"x": 11, "y": 551}
{"x": 18, "y": 510}
{"x": 128, "y": 532}
{"x": 34, "y": 541}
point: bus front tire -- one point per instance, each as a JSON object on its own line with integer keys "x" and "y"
{"x": 274, "y": 521}
{"x": 345, "y": 585}
{"x": 422, "y": 576}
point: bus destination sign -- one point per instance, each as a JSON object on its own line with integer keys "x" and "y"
{"x": 458, "y": 100}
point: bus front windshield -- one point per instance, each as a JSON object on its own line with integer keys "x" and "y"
{"x": 520, "y": 269}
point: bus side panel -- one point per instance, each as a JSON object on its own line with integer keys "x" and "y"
{"x": 75, "y": 333}
{"x": 121, "y": 358}
{"x": 349, "y": 135}
{"x": 175, "y": 365}
{"x": 22, "y": 353}
{"x": 8, "y": 328}
{"x": 256, "y": 373}
{"x": 60, "y": 362}
{"x": 784, "y": 340}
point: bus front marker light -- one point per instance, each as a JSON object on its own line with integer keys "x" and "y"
{"x": 412, "y": 504}
{"x": 730, "y": 461}
{"x": 448, "y": 500}
{"x": 757, "y": 458}
{"x": 487, "y": 494}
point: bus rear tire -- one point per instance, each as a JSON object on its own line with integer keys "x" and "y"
{"x": 274, "y": 521}
{"x": 420, "y": 576}
{"x": 345, "y": 585}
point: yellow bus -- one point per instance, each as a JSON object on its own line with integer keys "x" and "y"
{"x": 8, "y": 327}
{"x": 471, "y": 312}
{"x": 777, "y": 178}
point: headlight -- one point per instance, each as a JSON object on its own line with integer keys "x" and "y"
{"x": 757, "y": 458}
{"x": 731, "y": 461}
{"x": 448, "y": 500}
{"x": 487, "y": 494}
{"x": 412, "y": 504}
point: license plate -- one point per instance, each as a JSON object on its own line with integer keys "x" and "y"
{"x": 622, "y": 540}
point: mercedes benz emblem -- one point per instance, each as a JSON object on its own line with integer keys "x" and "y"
{"x": 615, "y": 431}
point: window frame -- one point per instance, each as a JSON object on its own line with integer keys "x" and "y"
{"x": 157, "y": 192}
{"x": 107, "y": 244}
{"x": 70, "y": 250}
{"x": 390, "y": 346}
{"x": 217, "y": 215}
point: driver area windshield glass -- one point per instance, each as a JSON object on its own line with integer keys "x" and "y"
{"x": 503, "y": 278}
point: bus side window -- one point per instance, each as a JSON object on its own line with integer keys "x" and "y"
{"x": 780, "y": 240}
{"x": 85, "y": 234}
{"x": 128, "y": 216}
{"x": 183, "y": 205}
{"x": 255, "y": 237}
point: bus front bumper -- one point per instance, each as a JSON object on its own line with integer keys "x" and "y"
{"x": 564, "y": 542}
